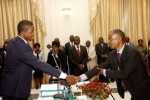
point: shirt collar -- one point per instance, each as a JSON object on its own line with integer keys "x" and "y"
{"x": 23, "y": 39}
{"x": 77, "y": 46}
{"x": 121, "y": 50}
{"x": 71, "y": 43}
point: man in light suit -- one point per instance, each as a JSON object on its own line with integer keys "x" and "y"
{"x": 126, "y": 65}
{"x": 15, "y": 82}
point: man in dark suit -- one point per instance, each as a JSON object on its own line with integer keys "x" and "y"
{"x": 68, "y": 51}
{"x": 15, "y": 83}
{"x": 102, "y": 51}
{"x": 69, "y": 45}
{"x": 79, "y": 57}
{"x": 127, "y": 67}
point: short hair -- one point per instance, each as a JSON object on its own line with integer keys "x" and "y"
{"x": 120, "y": 33}
{"x": 23, "y": 25}
{"x": 55, "y": 43}
{"x": 88, "y": 41}
{"x": 76, "y": 37}
{"x": 36, "y": 44}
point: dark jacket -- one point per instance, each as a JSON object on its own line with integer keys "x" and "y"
{"x": 132, "y": 72}
{"x": 17, "y": 73}
{"x": 76, "y": 59}
{"x": 102, "y": 51}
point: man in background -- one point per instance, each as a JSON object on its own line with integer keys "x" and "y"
{"x": 3, "y": 54}
{"x": 102, "y": 51}
{"x": 69, "y": 45}
{"x": 91, "y": 55}
{"x": 79, "y": 57}
{"x": 38, "y": 75}
{"x": 68, "y": 51}
{"x": 141, "y": 47}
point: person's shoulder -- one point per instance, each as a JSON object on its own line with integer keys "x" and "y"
{"x": 96, "y": 44}
{"x": 131, "y": 50}
{"x": 12, "y": 41}
{"x": 67, "y": 43}
{"x": 81, "y": 46}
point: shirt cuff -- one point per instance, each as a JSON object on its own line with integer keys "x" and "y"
{"x": 104, "y": 72}
{"x": 83, "y": 77}
{"x": 63, "y": 75}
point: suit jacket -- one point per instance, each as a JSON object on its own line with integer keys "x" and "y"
{"x": 76, "y": 59}
{"x": 1, "y": 62}
{"x": 59, "y": 61}
{"x": 130, "y": 71}
{"x": 2, "y": 54}
{"x": 101, "y": 51}
{"x": 17, "y": 73}
{"x": 68, "y": 48}
{"x": 68, "y": 53}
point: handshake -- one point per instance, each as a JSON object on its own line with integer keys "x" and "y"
{"x": 71, "y": 79}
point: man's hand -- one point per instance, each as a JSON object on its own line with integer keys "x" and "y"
{"x": 100, "y": 70}
{"x": 71, "y": 79}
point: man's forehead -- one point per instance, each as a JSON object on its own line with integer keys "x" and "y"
{"x": 115, "y": 36}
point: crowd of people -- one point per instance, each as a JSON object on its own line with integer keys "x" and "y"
{"x": 74, "y": 58}
{"x": 120, "y": 60}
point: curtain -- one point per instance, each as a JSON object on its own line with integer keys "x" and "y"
{"x": 13, "y": 11}
{"x": 131, "y": 16}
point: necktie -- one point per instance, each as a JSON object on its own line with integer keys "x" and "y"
{"x": 78, "y": 50}
{"x": 118, "y": 57}
{"x": 37, "y": 55}
{"x": 123, "y": 82}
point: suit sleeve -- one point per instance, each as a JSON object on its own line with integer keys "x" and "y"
{"x": 29, "y": 59}
{"x": 129, "y": 67}
{"x": 97, "y": 50}
{"x": 85, "y": 56}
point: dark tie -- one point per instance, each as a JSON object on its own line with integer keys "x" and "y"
{"x": 78, "y": 51}
{"x": 123, "y": 82}
{"x": 118, "y": 57}
{"x": 37, "y": 55}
